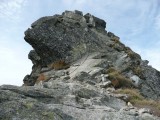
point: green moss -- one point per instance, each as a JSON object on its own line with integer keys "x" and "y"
{"x": 28, "y": 105}
{"x": 49, "y": 115}
{"x": 78, "y": 51}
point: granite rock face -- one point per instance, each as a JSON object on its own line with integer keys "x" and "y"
{"x": 71, "y": 79}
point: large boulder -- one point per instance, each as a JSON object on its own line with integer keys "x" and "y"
{"x": 63, "y": 37}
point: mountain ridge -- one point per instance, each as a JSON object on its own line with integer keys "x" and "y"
{"x": 81, "y": 72}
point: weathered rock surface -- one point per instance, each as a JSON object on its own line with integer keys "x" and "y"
{"x": 65, "y": 100}
{"x": 64, "y": 39}
{"x": 70, "y": 81}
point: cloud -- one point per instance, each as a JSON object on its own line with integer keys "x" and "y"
{"x": 11, "y": 9}
{"x": 132, "y": 18}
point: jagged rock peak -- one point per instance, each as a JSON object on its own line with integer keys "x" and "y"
{"x": 76, "y": 16}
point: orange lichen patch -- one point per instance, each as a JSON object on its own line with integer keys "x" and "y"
{"x": 115, "y": 83}
{"x": 58, "y": 65}
{"x": 41, "y": 77}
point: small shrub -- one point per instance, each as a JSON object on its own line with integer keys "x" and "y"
{"x": 118, "y": 80}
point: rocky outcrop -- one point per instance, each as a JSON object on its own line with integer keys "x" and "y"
{"x": 61, "y": 40}
{"x": 64, "y": 37}
{"x": 77, "y": 66}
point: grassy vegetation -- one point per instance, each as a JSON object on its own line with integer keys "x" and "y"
{"x": 126, "y": 87}
{"x": 58, "y": 65}
{"x": 131, "y": 54}
{"x": 28, "y": 105}
{"x": 139, "y": 101}
{"x": 137, "y": 70}
{"x": 134, "y": 94}
{"x": 115, "y": 39}
{"x": 118, "y": 80}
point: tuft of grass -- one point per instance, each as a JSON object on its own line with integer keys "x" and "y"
{"x": 118, "y": 80}
{"x": 115, "y": 39}
{"x": 146, "y": 102}
{"x": 134, "y": 94}
{"x": 58, "y": 65}
{"x": 132, "y": 54}
{"x": 139, "y": 101}
{"x": 111, "y": 69}
{"x": 137, "y": 70}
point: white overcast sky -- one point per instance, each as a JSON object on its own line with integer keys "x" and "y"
{"x": 136, "y": 22}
